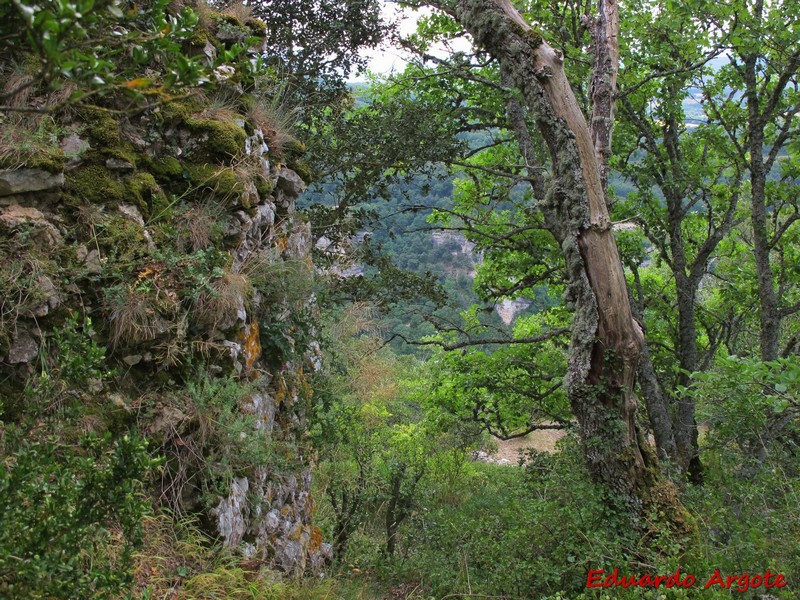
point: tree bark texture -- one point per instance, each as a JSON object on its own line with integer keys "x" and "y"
{"x": 606, "y": 341}
{"x": 770, "y": 318}
{"x": 655, "y": 400}
{"x": 605, "y": 46}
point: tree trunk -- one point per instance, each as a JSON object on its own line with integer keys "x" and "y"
{"x": 606, "y": 341}
{"x": 770, "y": 318}
{"x": 655, "y": 400}
{"x": 685, "y": 429}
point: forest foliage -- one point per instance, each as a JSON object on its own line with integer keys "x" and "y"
{"x": 418, "y": 374}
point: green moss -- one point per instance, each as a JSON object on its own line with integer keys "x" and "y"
{"x": 96, "y": 184}
{"x": 101, "y": 126}
{"x": 50, "y": 159}
{"x": 123, "y": 151}
{"x": 102, "y": 130}
{"x": 303, "y": 169}
{"x": 146, "y": 194}
{"x": 166, "y": 168}
{"x": 220, "y": 18}
{"x": 225, "y": 139}
{"x": 257, "y": 27}
{"x": 294, "y": 148}
{"x": 221, "y": 139}
{"x": 120, "y": 150}
{"x": 228, "y": 29}
{"x": 179, "y": 111}
{"x": 223, "y": 182}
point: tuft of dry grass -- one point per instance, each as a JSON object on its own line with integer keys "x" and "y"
{"x": 220, "y": 306}
{"x": 172, "y": 546}
{"x": 358, "y": 319}
{"x": 276, "y": 123}
{"x": 133, "y": 320}
{"x": 238, "y": 10}
{"x": 288, "y": 282}
{"x": 18, "y": 88}
{"x": 223, "y": 105}
{"x": 199, "y": 224}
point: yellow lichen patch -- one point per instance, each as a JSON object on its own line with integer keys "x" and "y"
{"x": 282, "y": 391}
{"x": 296, "y": 532}
{"x": 251, "y": 345}
{"x": 315, "y": 543}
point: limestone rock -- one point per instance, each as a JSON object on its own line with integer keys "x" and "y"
{"x": 73, "y": 146}
{"x": 93, "y": 263}
{"x": 44, "y": 233}
{"x": 132, "y": 213}
{"x": 133, "y": 359}
{"x": 51, "y": 299}
{"x": 23, "y": 348}
{"x": 22, "y": 181}
{"x": 290, "y": 182}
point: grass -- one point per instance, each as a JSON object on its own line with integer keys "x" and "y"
{"x": 132, "y": 319}
{"x": 275, "y": 122}
{"x": 220, "y": 305}
{"x": 199, "y": 225}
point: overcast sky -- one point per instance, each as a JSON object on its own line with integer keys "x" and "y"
{"x": 386, "y": 58}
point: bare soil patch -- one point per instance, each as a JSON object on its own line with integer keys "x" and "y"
{"x": 543, "y": 441}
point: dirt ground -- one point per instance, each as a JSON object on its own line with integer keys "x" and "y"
{"x": 544, "y": 441}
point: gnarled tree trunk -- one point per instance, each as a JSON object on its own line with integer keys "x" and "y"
{"x": 606, "y": 340}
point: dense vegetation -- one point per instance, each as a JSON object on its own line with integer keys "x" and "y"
{"x": 190, "y": 409}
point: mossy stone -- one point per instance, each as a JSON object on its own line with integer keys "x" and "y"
{"x": 264, "y": 186}
{"x": 177, "y": 112}
{"x": 199, "y": 37}
{"x": 96, "y": 184}
{"x": 225, "y": 139}
{"x": 257, "y": 27}
{"x": 220, "y": 18}
{"x": 302, "y": 169}
{"x": 101, "y": 126}
{"x": 146, "y": 194}
{"x": 294, "y": 148}
{"x": 223, "y": 182}
{"x": 166, "y": 168}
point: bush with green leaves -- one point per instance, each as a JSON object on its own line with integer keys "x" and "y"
{"x": 751, "y": 405}
{"x": 526, "y": 533}
{"x": 749, "y": 503}
{"x": 81, "y": 42}
{"x": 71, "y": 515}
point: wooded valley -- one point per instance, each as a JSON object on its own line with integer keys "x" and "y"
{"x": 518, "y": 319}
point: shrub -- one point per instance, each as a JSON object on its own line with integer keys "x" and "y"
{"x": 71, "y": 515}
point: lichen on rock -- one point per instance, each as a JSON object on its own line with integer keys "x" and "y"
{"x": 159, "y": 225}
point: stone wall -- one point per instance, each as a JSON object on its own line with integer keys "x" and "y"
{"x": 156, "y": 276}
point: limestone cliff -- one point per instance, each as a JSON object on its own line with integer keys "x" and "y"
{"x": 156, "y": 276}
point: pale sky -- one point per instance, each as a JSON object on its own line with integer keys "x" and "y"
{"x": 386, "y": 58}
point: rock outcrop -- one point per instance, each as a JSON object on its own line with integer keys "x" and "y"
{"x": 155, "y": 275}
